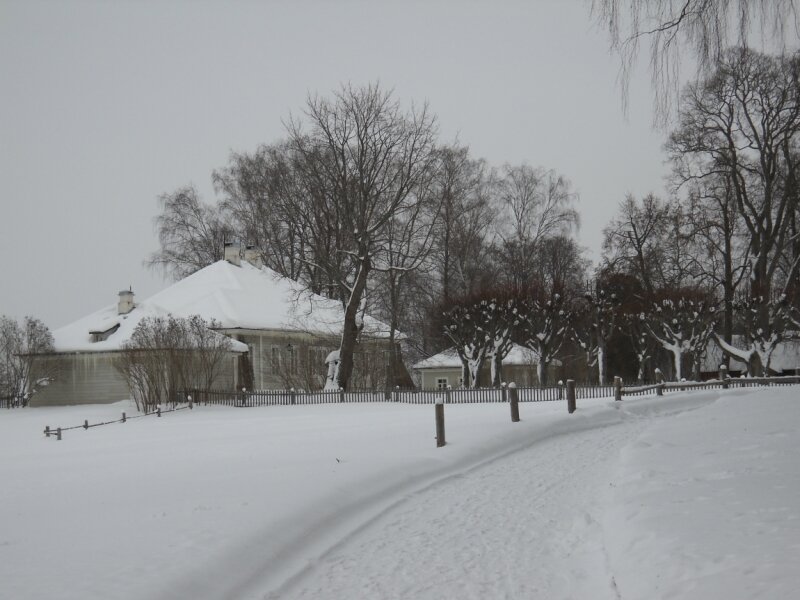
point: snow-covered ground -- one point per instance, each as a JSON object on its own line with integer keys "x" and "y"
{"x": 693, "y": 495}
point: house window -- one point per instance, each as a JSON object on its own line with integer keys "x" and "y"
{"x": 441, "y": 383}
{"x": 275, "y": 362}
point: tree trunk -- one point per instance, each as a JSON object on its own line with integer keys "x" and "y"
{"x": 497, "y": 370}
{"x": 465, "y": 374}
{"x": 350, "y": 329}
{"x": 601, "y": 362}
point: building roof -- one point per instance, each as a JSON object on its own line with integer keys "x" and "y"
{"x": 448, "y": 359}
{"x": 237, "y": 297}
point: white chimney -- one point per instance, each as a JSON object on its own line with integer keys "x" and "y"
{"x": 125, "y": 304}
{"x": 233, "y": 253}
{"x": 253, "y": 256}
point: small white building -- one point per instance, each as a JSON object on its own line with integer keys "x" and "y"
{"x": 785, "y": 359}
{"x": 444, "y": 369}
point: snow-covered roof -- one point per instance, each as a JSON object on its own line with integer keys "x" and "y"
{"x": 237, "y": 297}
{"x": 448, "y": 359}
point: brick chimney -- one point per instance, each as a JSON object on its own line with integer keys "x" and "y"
{"x": 125, "y": 304}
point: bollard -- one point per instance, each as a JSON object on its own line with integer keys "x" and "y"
{"x": 158, "y": 410}
{"x": 659, "y": 382}
{"x": 191, "y": 404}
{"x": 504, "y": 392}
{"x": 617, "y": 388}
{"x": 58, "y": 434}
{"x": 560, "y": 389}
{"x": 86, "y": 424}
{"x": 570, "y": 396}
{"x": 513, "y": 400}
{"x": 723, "y": 376}
{"x": 47, "y": 431}
{"x": 124, "y": 418}
{"x": 439, "y": 407}
{"x": 447, "y": 394}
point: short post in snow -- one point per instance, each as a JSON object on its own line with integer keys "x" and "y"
{"x": 570, "y": 396}
{"x": 560, "y": 389}
{"x": 86, "y": 424}
{"x": 513, "y": 400}
{"x": 158, "y": 410}
{"x": 58, "y": 434}
{"x": 504, "y": 392}
{"x": 47, "y": 431}
{"x": 124, "y": 417}
{"x": 723, "y": 376}
{"x": 439, "y": 407}
{"x": 617, "y": 388}
{"x": 191, "y": 404}
{"x": 659, "y": 382}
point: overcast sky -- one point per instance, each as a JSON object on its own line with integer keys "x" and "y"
{"x": 107, "y": 105}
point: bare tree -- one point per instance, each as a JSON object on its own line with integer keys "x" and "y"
{"x": 166, "y": 354}
{"x": 535, "y": 204}
{"x": 366, "y": 159}
{"x": 706, "y": 27}
{"x": 742, "y": 124}
{"x": 594, "y": 324}
{"x": 716, "y": 229}
{"x": 256, "y": 189}
{"x": 25, "y": 366}
{"x": 634, "y": 240}
{"x": 192, "y": 235}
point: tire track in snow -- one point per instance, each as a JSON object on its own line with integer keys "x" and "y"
{"x": 521, "y": 527}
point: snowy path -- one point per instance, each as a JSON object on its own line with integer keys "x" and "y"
{"x": 516, "y": 528}
{"x": 528, "y": 525}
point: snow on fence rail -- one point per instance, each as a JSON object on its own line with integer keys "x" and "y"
{"x": 58, "y": 431}
{"x": 722, "y": 383}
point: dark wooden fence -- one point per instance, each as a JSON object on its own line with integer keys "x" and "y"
{"x": 252, "y": 398}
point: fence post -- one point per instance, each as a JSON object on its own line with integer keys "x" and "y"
{"x": 723, "y": 376}
{"x": 439, "y": 408}
{"x": 617, "y": 388}
{"x": 504, "y": 391}
{"x": 191, "y": 404}
{"x": 47, "y": 431}
{"x": 341, "y": 394}
{"x": 58, "y": 434}
{"x": 513, "y": 400}
{"x": 158, "y": 410}
{"x": 570, "y": 396}
{"x": 560, "y": 389}
{"x": 396, "y": 393}
{"x": 447, "y": 394}
{"x": 292, "y": 397}
{"x": 86, "y": 424}
{"x": 124, "y": 418}
{"x": 659, "y": 382}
